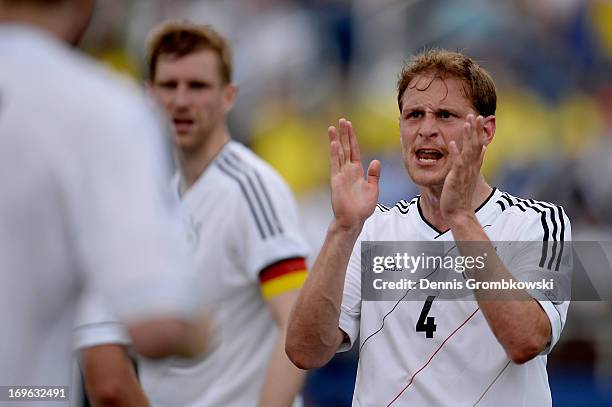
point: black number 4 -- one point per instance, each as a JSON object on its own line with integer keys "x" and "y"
{"x": 430, "y": 327}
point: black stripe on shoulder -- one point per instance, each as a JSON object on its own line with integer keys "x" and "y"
{"x": 259, "y": 190}
{"x": 561, "y": 236}
{"x": 230, "y": 173}
{"x": 555, "y": 231}
{"x": 558, "y": 232}
{"x": 382, "y": 208}
{"x": 404, "y": 207}
{"x": 549, "y": 214}
{"x": 501, "y": 205}
{"x": 268, "y": 202}
{"x": 547, "y": 235}
{"x": 513, "y": 201}
{"x": 251, "y": 189}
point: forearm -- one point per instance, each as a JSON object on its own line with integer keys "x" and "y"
{"x": 313, "y": 335}
{"x": 518, "y": 321}
{"x": 109, "y": 377}
{"x": 283, "y": 380}
{"x": 165, "y": 337}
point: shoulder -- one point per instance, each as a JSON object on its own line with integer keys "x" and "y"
{"x": 260, "y": 193}
{"x": 385, "y": 216}
{"x": 84, "y": 114}
{"x": 80, "y": 92}
{"x": 111, "y": 99}
{"x": 402, "y": 207}
{"x": 533, "y": 217}
{"x": 250, "y": 174}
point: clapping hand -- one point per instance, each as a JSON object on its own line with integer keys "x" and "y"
{"x": 354, "y": 196}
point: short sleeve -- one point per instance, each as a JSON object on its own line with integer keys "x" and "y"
{"x": 542, "y": 253}
{"x": 96, "y": 325}
{"x": 350, "y": 311}
{"x": 268, "y": 229}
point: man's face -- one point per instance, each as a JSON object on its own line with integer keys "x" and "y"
{"x": 192, "y": 91}
{"x": 431, "y": 118}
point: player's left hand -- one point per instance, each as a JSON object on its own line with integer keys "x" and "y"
{"x": 458, "y": 190}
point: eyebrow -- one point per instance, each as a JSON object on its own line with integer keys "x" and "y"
{"x": 438, "y": 109}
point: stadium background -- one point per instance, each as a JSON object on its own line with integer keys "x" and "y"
{"x": 302, "y": 64}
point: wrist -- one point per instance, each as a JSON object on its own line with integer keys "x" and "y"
{"x": 345, "y": 231}
{"x": 463, "y": 221}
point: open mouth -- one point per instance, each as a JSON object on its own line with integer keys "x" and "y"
{"x": 428, "y": 155}
{"x": 183, "y": 125}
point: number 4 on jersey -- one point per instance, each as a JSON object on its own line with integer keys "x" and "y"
{"x": 428, "y": 327}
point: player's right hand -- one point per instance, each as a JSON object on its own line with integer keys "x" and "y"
{"x": 354, "y": 196}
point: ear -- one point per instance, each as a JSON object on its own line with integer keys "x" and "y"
{"x": 489, "y": 128}
{"x": 229, "y": 96}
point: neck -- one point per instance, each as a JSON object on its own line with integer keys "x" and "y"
{"x": 194, "y": 162}
{"x": 430, "y": 202}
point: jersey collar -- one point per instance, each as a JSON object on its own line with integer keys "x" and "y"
{"x": 483, "y": 213}
{"x": 202, "y": 183}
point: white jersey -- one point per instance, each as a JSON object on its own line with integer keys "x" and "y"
{"x": 243, "y": 219}
{"x": 85, "y": 205}
{"x": 462, "y": 364}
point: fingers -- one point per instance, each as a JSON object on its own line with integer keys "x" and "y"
{"x": 374, "y": 172}
{"x": 355, "y": 153}
{"x": 474, "y": 138}
{"x": 455, "y": 155}
{"x": 346, "y": 139}
{"x": 345, "y": 145}
{"x": 334, "y": 150}
{"x": 466, "y": 145}
{"x": 480, "y": 135}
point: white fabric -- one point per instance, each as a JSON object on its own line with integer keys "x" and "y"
{"x": 85, "y": 205}
{"x": 234, "y": 195}
{"x": 471, "y": 359}
{"x": 242, "y": 218}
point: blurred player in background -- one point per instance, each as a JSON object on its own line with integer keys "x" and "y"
{"x": 85, "y": 205}
{"x": 431, "y": 352}
{"x": 245, "y": 232}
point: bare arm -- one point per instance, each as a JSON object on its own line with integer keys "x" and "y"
{"x": 520, "y": 325}
{"x": 165, "y": 337}
{"x": 283, "y": 380}
{"x": 110, "y": 379}
{"x": 313, "y": 335}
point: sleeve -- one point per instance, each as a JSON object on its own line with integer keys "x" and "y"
{"x": 125, "y": 223}
{"x": 542, "y": 252}
{"x": 268, "y": 230}
{"x": 283, "y": 276}
{"x": 350, "y": 310}
{"x": 96, "y": 324}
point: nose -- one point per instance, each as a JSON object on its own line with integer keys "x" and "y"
{"x": 428, "y": 125}
{"x": 181, "y": 97}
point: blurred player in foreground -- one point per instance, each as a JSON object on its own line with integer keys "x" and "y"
{"x": 246, "y": 237}
{"x": 84, "y": 203}
{"x": 433, "y": 352}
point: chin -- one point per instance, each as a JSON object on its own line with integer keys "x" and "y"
{"x": 185, "y": 143}
{"x": 427, "y": 178}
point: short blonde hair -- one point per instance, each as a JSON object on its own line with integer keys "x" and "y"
{"x": 180, "y": 38}
{"x": 477, "y": 83}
